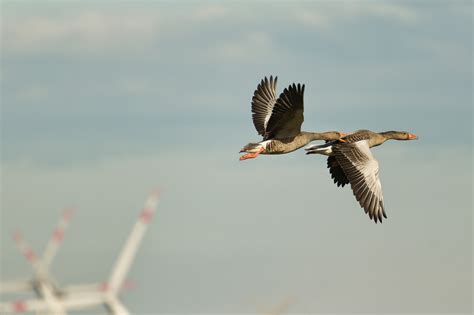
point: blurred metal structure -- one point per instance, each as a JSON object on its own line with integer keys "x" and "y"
{"x": 281, "y": 308}
{"x": 40, "y": 265}
{"x": 53, "y": 299}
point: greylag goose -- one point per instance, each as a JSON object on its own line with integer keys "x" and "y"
{"x": 350, "y": 161}
{"x": 279, "y": 121}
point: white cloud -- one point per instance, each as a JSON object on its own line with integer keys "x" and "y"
{"x": 314, "y": 18}
{"x": 324, "y": 16}
{"x": 210, "y": 12}
{"x": 98, "y": 31}
{"x": 248, "y": 47}
{"x": 391, "y": 11}
{"x": 90, "y": 31}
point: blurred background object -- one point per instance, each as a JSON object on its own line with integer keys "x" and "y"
{"x": 51, "y": 298}
{"x": 101, "y": 100}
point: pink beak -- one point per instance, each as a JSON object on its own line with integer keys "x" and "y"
{"x": 412, "y": 136}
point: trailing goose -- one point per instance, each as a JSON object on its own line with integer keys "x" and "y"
{"x": 350, "y": 161}
{"x": 279, "y": 121}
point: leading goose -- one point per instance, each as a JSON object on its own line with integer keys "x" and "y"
{"x": 279, "y": 121}
{"x": 351, "y": 161}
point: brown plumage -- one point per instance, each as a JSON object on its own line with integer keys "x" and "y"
{"x": 351, "y": 161}
{"x": 279, "y": 120}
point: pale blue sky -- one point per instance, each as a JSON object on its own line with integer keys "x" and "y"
{"x": 103, "y": 101}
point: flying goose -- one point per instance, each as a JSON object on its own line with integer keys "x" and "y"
{"x": 351, "y": 161}
{"x": 279, "y": 121}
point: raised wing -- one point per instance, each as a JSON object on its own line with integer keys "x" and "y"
{"x": 362, "y": 172}
{"x": 287, "y": 115}
{"x": 263, "y": 100}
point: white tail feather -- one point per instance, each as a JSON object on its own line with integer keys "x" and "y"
{"x": 324, "y": 149}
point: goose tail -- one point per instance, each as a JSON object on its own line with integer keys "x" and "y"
{"x": 324, "y": 149}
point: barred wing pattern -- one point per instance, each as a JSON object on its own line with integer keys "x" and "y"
{"x": 287, "y": 115}
{"x": 358, "y": 135}
{"x": 362, "y": 171}
{"x": 264, "y": 98}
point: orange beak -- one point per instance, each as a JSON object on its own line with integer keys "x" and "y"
{"x": 343, "y": 134}
{"x": 412, "y": 136}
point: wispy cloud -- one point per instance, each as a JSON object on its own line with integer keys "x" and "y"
{"x": 96, "y": 31}
{"x": 248, "y": 47}
{"x": 394, "y": 12}
{"x": 209, "y": 12}
{"x": 89, "y": 31}
{"x": 327, "y": 15}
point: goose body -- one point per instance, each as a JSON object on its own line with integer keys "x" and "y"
{"x": 350, "y": 161}
{"x": 279, "y": 121}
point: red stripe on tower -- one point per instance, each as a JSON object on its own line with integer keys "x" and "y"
{"x": 67, "y": 214}
{"x": 104, "y": 286}
{"x": 58, "y": 235}
{"x": 30, "y": 255}
{"x": 19, "y": 306}
{"x": 17, "y": 236}
{"x": 146, "y": 215}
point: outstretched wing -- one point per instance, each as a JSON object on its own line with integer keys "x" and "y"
{"x": 340, "y": 179}
{"x": 362, "y": 172}
{"x": 287, "y": 115}
{"x": 264, "y": 98}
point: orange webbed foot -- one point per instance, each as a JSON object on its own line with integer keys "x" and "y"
{"x": 251, "y": 155}
{"x": 248, "y": 156}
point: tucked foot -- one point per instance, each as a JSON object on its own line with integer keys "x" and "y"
{"x": 248, "y": 156}
{"x": 251, "y": 155}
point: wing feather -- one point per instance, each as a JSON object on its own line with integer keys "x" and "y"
{"x": 337, "y": 174}
{"x": 264, "y": 98}
{"x": 287, "y": 114}
{"x": 362, "y": 172}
